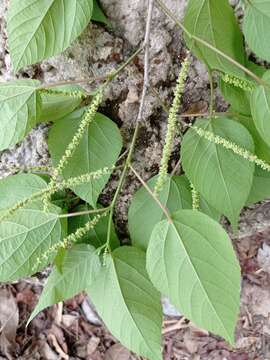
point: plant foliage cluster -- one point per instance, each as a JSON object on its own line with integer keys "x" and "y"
{"x": 179, "y": 249}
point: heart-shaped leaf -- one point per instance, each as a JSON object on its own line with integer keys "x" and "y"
{"x": 175, "y": 195}
{"x": 128, "y": 303}
{"x": 100, "y": 147}
{"x": 223, "y": 178}
{"x": 191, "y": 260}
{"x": 59, "y": 103}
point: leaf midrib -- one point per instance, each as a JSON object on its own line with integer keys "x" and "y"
{"x": 195, "y": 271}
{"x": 35, "y": 31}
{"x": 127, "y": 307}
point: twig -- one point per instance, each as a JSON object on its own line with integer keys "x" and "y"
{"x": 146, "y": 59}
{"x": 86, "y": 212}
{"x": 138, "y": 120}
{"x": 59, "y": 313}
{"x": 178, "y": 326}
{"x": 163, "y": 208}
{"x": 176, "y": 167}
{"x": 109, "y": 77}
{"x": 74, "y": 82}
{"x": 57, "y": 347}
{"x": 212, "y": 93}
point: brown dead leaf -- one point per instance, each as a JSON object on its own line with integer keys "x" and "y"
{"x": 27, "y": 297}
{"x": 92, "y": 345}
{"x": 117, "y": 352}
{"x": 9, "y": 320}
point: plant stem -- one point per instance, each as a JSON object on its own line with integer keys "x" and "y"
{"x": 138, "y": 120}
{"x": 212, "y": 94}
{"x": 171, "y": 15}
{"x": 163, "y": 208}
{"x": 86, "y": 212}
{"x": 116, "y": 72}
{"x": 120, "y": 184}
{"x": 109, "y": 77}
{"x": 73, "y": 82}
{"x": 176, "y": 167}
{"x": 207, "y": 114}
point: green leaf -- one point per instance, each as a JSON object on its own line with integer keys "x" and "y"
{"x": 96, "y": 236}
{"x": 258, "y": 70}
{"x": 20, "y": 106}
{"x": 144, "y": 210}
{"x": 128, "y": 303}
{"x": 19, "y": 187}
{"x": 237, "y": 97}
{"x": 98, "y": 14}
{"x": 256, "y": 27}
{"x": 99, "y": 147}
{"x": 260, "y": 189}
{"x": 39, "y": 29}
{"x": 192, "y": 261}
{"x": 223, "y": 178}
{"x": 208, "y": 209}
{"x": 56, "y": 106}
{"x": 214, "y": 22}
{"x": 26, "y": 236}
{"x": 260, "y": 108}
{"x": 78, "y": 269}
{"x": 262, "y": 150}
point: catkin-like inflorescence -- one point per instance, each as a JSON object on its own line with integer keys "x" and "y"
{"x": 87, "y": 177}
{"x": 246, "y": 85}
{"x": 195, "y": 198}
{"x": 23, "y": 203}
{"x": 87, "y": 119}
{"x": 51, "y": 189}
{"x": 171, "y": 129}
{"x": 70, "y": 239}
{"x": 246, "y": 154}
{"x": 74, "y": 94}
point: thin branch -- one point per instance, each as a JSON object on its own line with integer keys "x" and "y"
{"x": 109, "y": 77}
{"x": 212, "y": 94}
{"x": 73, "y": 82}
{"x": 86, "y": 212}
{"x": 163, "y": 208}
{"x": 146, "y": 58}
{"x": 176, "y": 167}
{"x": 138, "y": 120}
{"x": 171, "y": 15}
{"x": 207, "y": 114}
